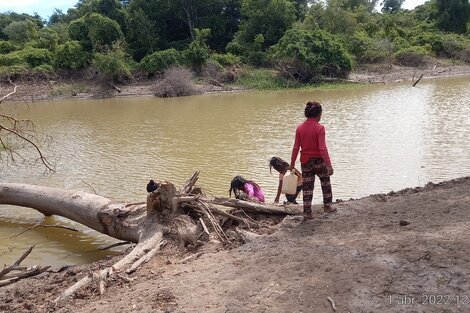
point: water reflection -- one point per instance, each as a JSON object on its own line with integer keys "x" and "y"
{"x": 381, "y": 138}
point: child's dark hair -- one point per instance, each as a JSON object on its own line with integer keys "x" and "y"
{"x": 238, "y": 184}
{"x": 312, "y": 109}
{"x": 279, "y": 165}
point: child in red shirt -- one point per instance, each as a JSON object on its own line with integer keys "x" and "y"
{"x": 314, "y": 158}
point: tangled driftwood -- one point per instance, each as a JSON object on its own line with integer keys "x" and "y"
{"x": 183, "y": 216}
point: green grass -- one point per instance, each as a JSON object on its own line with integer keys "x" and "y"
{"x": 267, "y": 79}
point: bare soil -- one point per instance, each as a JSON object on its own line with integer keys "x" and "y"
{"x": 406, "y": 251}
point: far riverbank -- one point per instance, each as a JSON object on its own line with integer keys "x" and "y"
{"x": 32, "y": 90}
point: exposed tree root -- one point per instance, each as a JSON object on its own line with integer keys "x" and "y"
{"x": 185, "y": 216}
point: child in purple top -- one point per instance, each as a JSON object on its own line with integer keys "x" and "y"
{"x": 242, "y": 187}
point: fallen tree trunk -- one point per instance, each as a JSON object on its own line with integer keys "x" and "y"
{"x": 256, "y": 207}
{"x": 183, "y": 215}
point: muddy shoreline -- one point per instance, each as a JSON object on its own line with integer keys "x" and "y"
{"x": 365, "y": 258}
{"x": 32, "y": 90}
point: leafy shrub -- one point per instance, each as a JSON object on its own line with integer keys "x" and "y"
{"x": 250, "y": 53}
{"x": 412, "y": 56}
{"x": 443, "y": 45}
{"x": 47, "y": 39}
{"x": 159, "y": 61}
{"x": 44, "y": 70}
{"x": 13, "y": 58}
{"x": 305, "y": 55}
{"x": 378, "y": 51}
{"x": 114, "y": 64}
{"x": 35, "y": 57}
{"x": 71, "y": 55}
{"x": 227, "y": 59}
{"x": 6, "y": 47}
{"x": 13, "y": 70}
{"x": 177, "y": 82}
{"x": 357, "y": 44}
{"x": 197, "y": 52}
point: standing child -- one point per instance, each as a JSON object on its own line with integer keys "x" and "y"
{"x": 281, "y": 166}
{"x": 314, "y": 158}
{"x": 250, "y": 189}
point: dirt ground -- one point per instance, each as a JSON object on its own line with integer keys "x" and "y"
{"x": 406, "y": 251}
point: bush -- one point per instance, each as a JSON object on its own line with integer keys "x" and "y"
{"x": 443, "y": 45}
{"x": 72, "y": 56}
{"x": 35, "y": 57}
{"x": 44, "y": 70}
{"x": 158, "y": 61}
{"x": 378, "y": 51}
{"x": 197, "y": 52}
{"x": 13, "y": 58}
{"x": 413, "y": 56}
{"x": 227, "y": 59}
{"x": 6, "y": 47}
{"x": 114, "y": 64}
{"x": 305, "y": 55}
{"x": 177, "y": 82}
{"x": 14, "y": 70}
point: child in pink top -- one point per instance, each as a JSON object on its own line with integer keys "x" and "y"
{"x": 243, "y": 188}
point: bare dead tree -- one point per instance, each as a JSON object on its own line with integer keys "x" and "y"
{"x": 182, "y": 216}
{"x": 18, "y": 134}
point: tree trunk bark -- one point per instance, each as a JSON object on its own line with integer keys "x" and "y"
{"x": 164, "y": 213}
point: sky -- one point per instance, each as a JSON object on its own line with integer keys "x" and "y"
{"x": 46, "y": 7}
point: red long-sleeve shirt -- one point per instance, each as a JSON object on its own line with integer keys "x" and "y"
{"x": 310, "y": 136}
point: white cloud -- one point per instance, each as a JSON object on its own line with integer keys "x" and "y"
{"x": 43, "y": 7}
{"x": 411, "y": 4}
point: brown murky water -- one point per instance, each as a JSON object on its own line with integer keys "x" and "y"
{"x": 381, "y": 138}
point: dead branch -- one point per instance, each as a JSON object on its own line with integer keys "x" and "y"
{"x": 6, "y": 278}
{"x": 45, "y": 226}
{"x": 8, "y": 269}
{"x": 41, "y": 156}
{"x": 193, "y": 256}
{"x": 256, "y": 207}
{"x": 114, "y": 87}
{"x": 11, "y": 93}
{"x": 117, "y": 244}
{"x": 332, "y": 303}
{"x": 416, "y": 82}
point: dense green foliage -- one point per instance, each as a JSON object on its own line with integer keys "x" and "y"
{"x": 159, "y": 61}
{"x": 304, "y": 55}
{"x": 303, "y": 39}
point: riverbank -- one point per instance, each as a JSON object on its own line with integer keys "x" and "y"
{"x": 376, "y": 253}
{"x": 33, "y": 90}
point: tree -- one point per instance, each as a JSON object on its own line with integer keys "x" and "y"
{"x": 198, "y": 52}
{"x": 71, "y": 56}
{"x": 95, "y": 31}
{"x": 18, "y": 137}
{"x": 21, "y": 31}
{"x": 453, "y": 15}
{"x": 391, "y": 6}
{"x": 142, "y": 34}
{"x": 113, "y": 64}
{"x": 353, "y": 4}
{"x": 180, "y": 216}
{"x": 269, "y": 18}
{"x": 305, "y": 55}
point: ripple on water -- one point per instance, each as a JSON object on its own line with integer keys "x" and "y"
{"x": 380, "y": 138}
